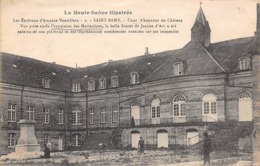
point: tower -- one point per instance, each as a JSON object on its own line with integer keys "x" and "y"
{"x": 201, "y": 30}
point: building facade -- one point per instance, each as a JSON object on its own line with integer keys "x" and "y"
{"x": 173, "y": 96}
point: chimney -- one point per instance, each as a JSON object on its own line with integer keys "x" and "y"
{"x": 146, "y": 51}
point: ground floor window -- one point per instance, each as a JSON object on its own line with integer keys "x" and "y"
{"x": 76, "y": 140}
{"x": 11, "y": 140}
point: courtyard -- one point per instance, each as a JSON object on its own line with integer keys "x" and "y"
{"x": 159, "y": 157}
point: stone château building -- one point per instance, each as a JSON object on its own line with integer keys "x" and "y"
{"x": 173, "y": 96}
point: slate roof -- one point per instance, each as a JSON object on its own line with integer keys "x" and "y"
{"x": 20, "y": 70}
{"x": 217, "y": 58}
{"x": 227, "y": 53}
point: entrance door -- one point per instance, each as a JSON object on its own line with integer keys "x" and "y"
{"x": 135, "y": 112}
{"x": 245, "y": 109}
{"x": 135, "y": 136}
{"x": 162, "y": 139}
{"x": 60, "y": 143}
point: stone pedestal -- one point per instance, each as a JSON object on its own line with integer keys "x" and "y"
{"x": 27, "y": 141}
{"x": 27, "y": 146}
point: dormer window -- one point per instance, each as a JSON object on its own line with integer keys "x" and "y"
{"x": 76, "y": 87}
{"x": 46, "y": 82}
{"x": 244, "y": 63}
{"x": 102, "y": 83}
{"x": 91, "y": 85}
{"x": 178, "y": 69}
{"x": 134, "y": 78}
{"x": 114, "y": 81}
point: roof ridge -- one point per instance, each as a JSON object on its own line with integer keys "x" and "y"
{"x": 211, "y": 56}
{"x": 251, "y": 37}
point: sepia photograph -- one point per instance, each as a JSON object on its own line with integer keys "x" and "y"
{"x": 129, "y": 83}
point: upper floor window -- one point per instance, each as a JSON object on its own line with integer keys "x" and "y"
{"x": 46, "y": 82}
{"x": 102, "y": 115}
{"x": 46, "y": 111}
{"x": 76, "y": 116}
{"x": 178, "y": 68}
{"x": 30, "y": 112}
{"x": 91, "y": 116}
{"x": 114, "y": 81}
{"x": 115, "y": 110}
{"x": 91, "y": 85}
{"x": 102, "y": 83}
{"x": 179, "y": 106}
{"x": 11, "y": 140}
{"x": 11, "y": 112}
{"x": 244, "y": 63}
{"x": 155, "y": 106}
{"x": 76, "y": 87}
{"x": 135, "y": 78}
{"x": 60, "y": 116}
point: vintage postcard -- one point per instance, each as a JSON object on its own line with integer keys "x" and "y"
{"x": 143, "y": 82}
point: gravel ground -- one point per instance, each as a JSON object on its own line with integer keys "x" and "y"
{"x": 131, "y": 158}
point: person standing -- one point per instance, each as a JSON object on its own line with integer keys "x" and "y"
{"x": 132, "y": 122}
{"x": 206, "y": 148}
{"x": 141, "y": 145}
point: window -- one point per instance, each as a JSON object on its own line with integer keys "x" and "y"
{"x": 209, "y": 107}
{"x": 76, "y": 140}
{"x": 46, "y": 111}
{"x": 102, "y": 83}
{"x": 11, "y": 140}
{"x": 46, "y": 138}
{"x": 102, "y": 115}
{"x": 11, "y": 112}
{"x": 178, "y": 69}
{"x": 244, "y": 63}
{"x": 46, "y": 82}
{"x": 114, "y": 81}
{"x": 30, "y": 113}
{"x": 76, "y": 87}
{"x": 135, "y": 78}
{"x": 155, "y": 111}
{"x": 91, "y": 116}
{"x": 76, "y": 115}
{"x": 245, "y": 107}
{"x": 60, "y": 116}
{"x": 91, "y": 85}
{"x": 115, "y": 113}
{"x": 179, "y": 106}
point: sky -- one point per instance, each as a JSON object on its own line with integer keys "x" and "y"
{"x": 227, "y": 19}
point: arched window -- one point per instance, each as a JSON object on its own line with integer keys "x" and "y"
{"x": 135, "y": 112}
{"x": 179, "y": 106}
{"x": 155, "y": 111}
{"x": 76, "y": 116}
{"x": 102, "y": 83}
{"x": 162, "y": 139}
{"x": 245, "y": 107}
{"x": 178, "y": 68}
{"x": 135, "y": 78}
{"x": 192, "y": 136}
{"x": 46, "y": 82}
{"x": 91, "y": 85}
{"x": 135, "y": 136}
{"x": 209, "y": 107}
{"x": 244, "y": 63}
{"x": 114, "y": 81}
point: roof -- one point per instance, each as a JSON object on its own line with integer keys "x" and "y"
{"x": 227, "y": 53}
{"x": 217, "y": 58}
{"x": 20, "y": 70}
